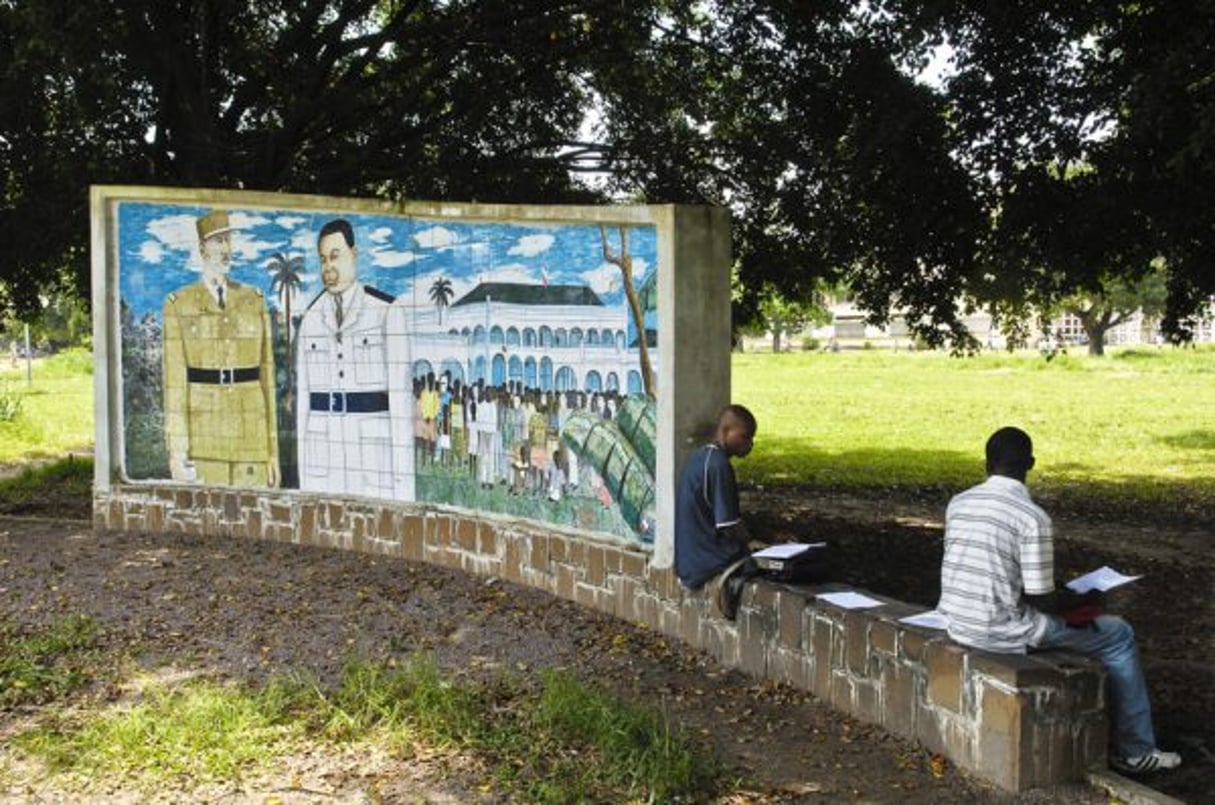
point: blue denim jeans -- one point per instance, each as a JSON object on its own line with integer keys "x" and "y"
{"x": 1113, "y": 642}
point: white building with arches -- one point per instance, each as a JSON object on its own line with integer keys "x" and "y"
{"x": 548, "y": 337}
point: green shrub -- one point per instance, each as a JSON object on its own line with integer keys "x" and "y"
{"x": 10, "y": 404}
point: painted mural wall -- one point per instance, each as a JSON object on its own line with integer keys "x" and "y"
{"x": 506, "y": 366}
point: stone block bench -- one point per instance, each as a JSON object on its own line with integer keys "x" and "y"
{"x": 1018, "y": 721}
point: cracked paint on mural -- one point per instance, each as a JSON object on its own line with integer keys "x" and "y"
{"x": 496, "y": 366}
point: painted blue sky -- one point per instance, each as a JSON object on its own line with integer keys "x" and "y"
{"x": 158, "y": 253}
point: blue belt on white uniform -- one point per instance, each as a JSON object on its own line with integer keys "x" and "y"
{"x": 349, "y": 402}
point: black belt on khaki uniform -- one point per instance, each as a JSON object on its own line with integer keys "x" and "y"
{"x": 349, "y": 402}
{"x": 244, "y": 374}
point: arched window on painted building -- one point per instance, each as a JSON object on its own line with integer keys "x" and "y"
{"x": 514, "y": 369}
{"x": 576, "y": 337}
{"x": 560, "y": 337}
{"x": 611, "y": 382}
{"x": 620, "y": 342}
{"x": 635, "y": 386}
{"x": 592, "y": 338}
{"x": 496, "y": 337}
{"x": 512, "y": 337}
{"x": 546, "y": 336}
{"x": 593, "y": 381}
{"x": 566, "y": 379}
{"x": 478, "y": 369}
{"x": 546, "y": 373}
{"x": 529, "y": 337}
{"x": 478, "y": 335}
{"x": 421, "y": 368}
{"x": 529, "y": 372}
{"x": 499, "y": 378}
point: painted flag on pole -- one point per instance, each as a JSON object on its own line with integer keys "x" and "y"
{"x": 544, "y": 274}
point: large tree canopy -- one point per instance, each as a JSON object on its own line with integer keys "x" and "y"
{"x": 470, "y": 100}
{"x": 1068, "y": 145}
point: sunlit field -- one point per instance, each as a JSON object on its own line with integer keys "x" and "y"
{"x": 48, "y": 413}
{"x": 1137, "y": 424}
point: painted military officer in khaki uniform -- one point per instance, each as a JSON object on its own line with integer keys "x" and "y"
{"x": 220, "y": 421}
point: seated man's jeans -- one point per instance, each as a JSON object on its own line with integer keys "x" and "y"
{"x": 1113, "y": 642}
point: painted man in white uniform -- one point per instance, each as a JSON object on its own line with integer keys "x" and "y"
{"x": 354, "y": 412}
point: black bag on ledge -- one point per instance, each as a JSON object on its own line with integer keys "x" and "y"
{"x": 785, "y": 563}
{"x": 789, "y": 566}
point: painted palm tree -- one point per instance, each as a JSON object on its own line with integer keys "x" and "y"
{"x": 441, "y": 293}
{"x": 286, "y": 279}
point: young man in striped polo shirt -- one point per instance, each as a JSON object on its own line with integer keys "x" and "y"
{"x": 998, "y": 594}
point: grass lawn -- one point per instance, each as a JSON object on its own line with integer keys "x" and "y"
{"x": 1133, "y": 426}
{"x": 55, "y": 414}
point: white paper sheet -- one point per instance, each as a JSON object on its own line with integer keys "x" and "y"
{"x": 1103, "y": 578}
{"x": 849, "y": 600}
{"x": 786, "y": 549}
{"x": 929, "y": 620}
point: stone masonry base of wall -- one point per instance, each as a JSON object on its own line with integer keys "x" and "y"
{"x": 1018, "y": 721}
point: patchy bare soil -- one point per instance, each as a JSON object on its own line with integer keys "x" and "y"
{"x": 244, "y": 611}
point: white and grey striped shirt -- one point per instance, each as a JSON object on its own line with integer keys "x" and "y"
{"x": 998, "y": 544}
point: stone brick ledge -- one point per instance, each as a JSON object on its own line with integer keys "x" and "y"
{"x": 1018, "y": 721}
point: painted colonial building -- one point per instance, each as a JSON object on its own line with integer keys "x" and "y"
{"x": 550, "y": 337}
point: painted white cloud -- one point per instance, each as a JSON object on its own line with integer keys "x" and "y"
{"x": 304, "y": 241}
{"x": 244, "y": 247}
{"x": 380, "y": 234}
{"x": 606, "y": 277}
{"x": 391, "y": 258}
{"x": 151, "y": 251}
{"x": 175, "y": 231}
{"x": 244, "y": 220}
{"x": 514, "y": 272}
{"x": 290, "y": 221}
{"x": 531, "y": 245}
{"x": 436, "y": 237}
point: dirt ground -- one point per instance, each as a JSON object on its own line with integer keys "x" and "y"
{"x": 244, "y": 611}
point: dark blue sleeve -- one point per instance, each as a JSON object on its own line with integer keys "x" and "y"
{"x": 722, "y": 490}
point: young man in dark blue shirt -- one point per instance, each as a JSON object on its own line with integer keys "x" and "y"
{"x": 710, "y": 535}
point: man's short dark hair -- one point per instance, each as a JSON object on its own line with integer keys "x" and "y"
{"x": 337, "y": 225}
{"x": 1010, "y": 451}
{"x": 739, "y": 413}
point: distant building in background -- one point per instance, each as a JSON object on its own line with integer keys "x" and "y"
{"x": 849, "y": 330}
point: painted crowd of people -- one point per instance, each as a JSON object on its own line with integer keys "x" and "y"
{"x": 504, "y": 435}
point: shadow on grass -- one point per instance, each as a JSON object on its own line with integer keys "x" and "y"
{"x": 931, "y": 477}
{"x": 799, "y": 461}
{"x": 60, "y": 489}
{"x": 1191, "y": 440}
